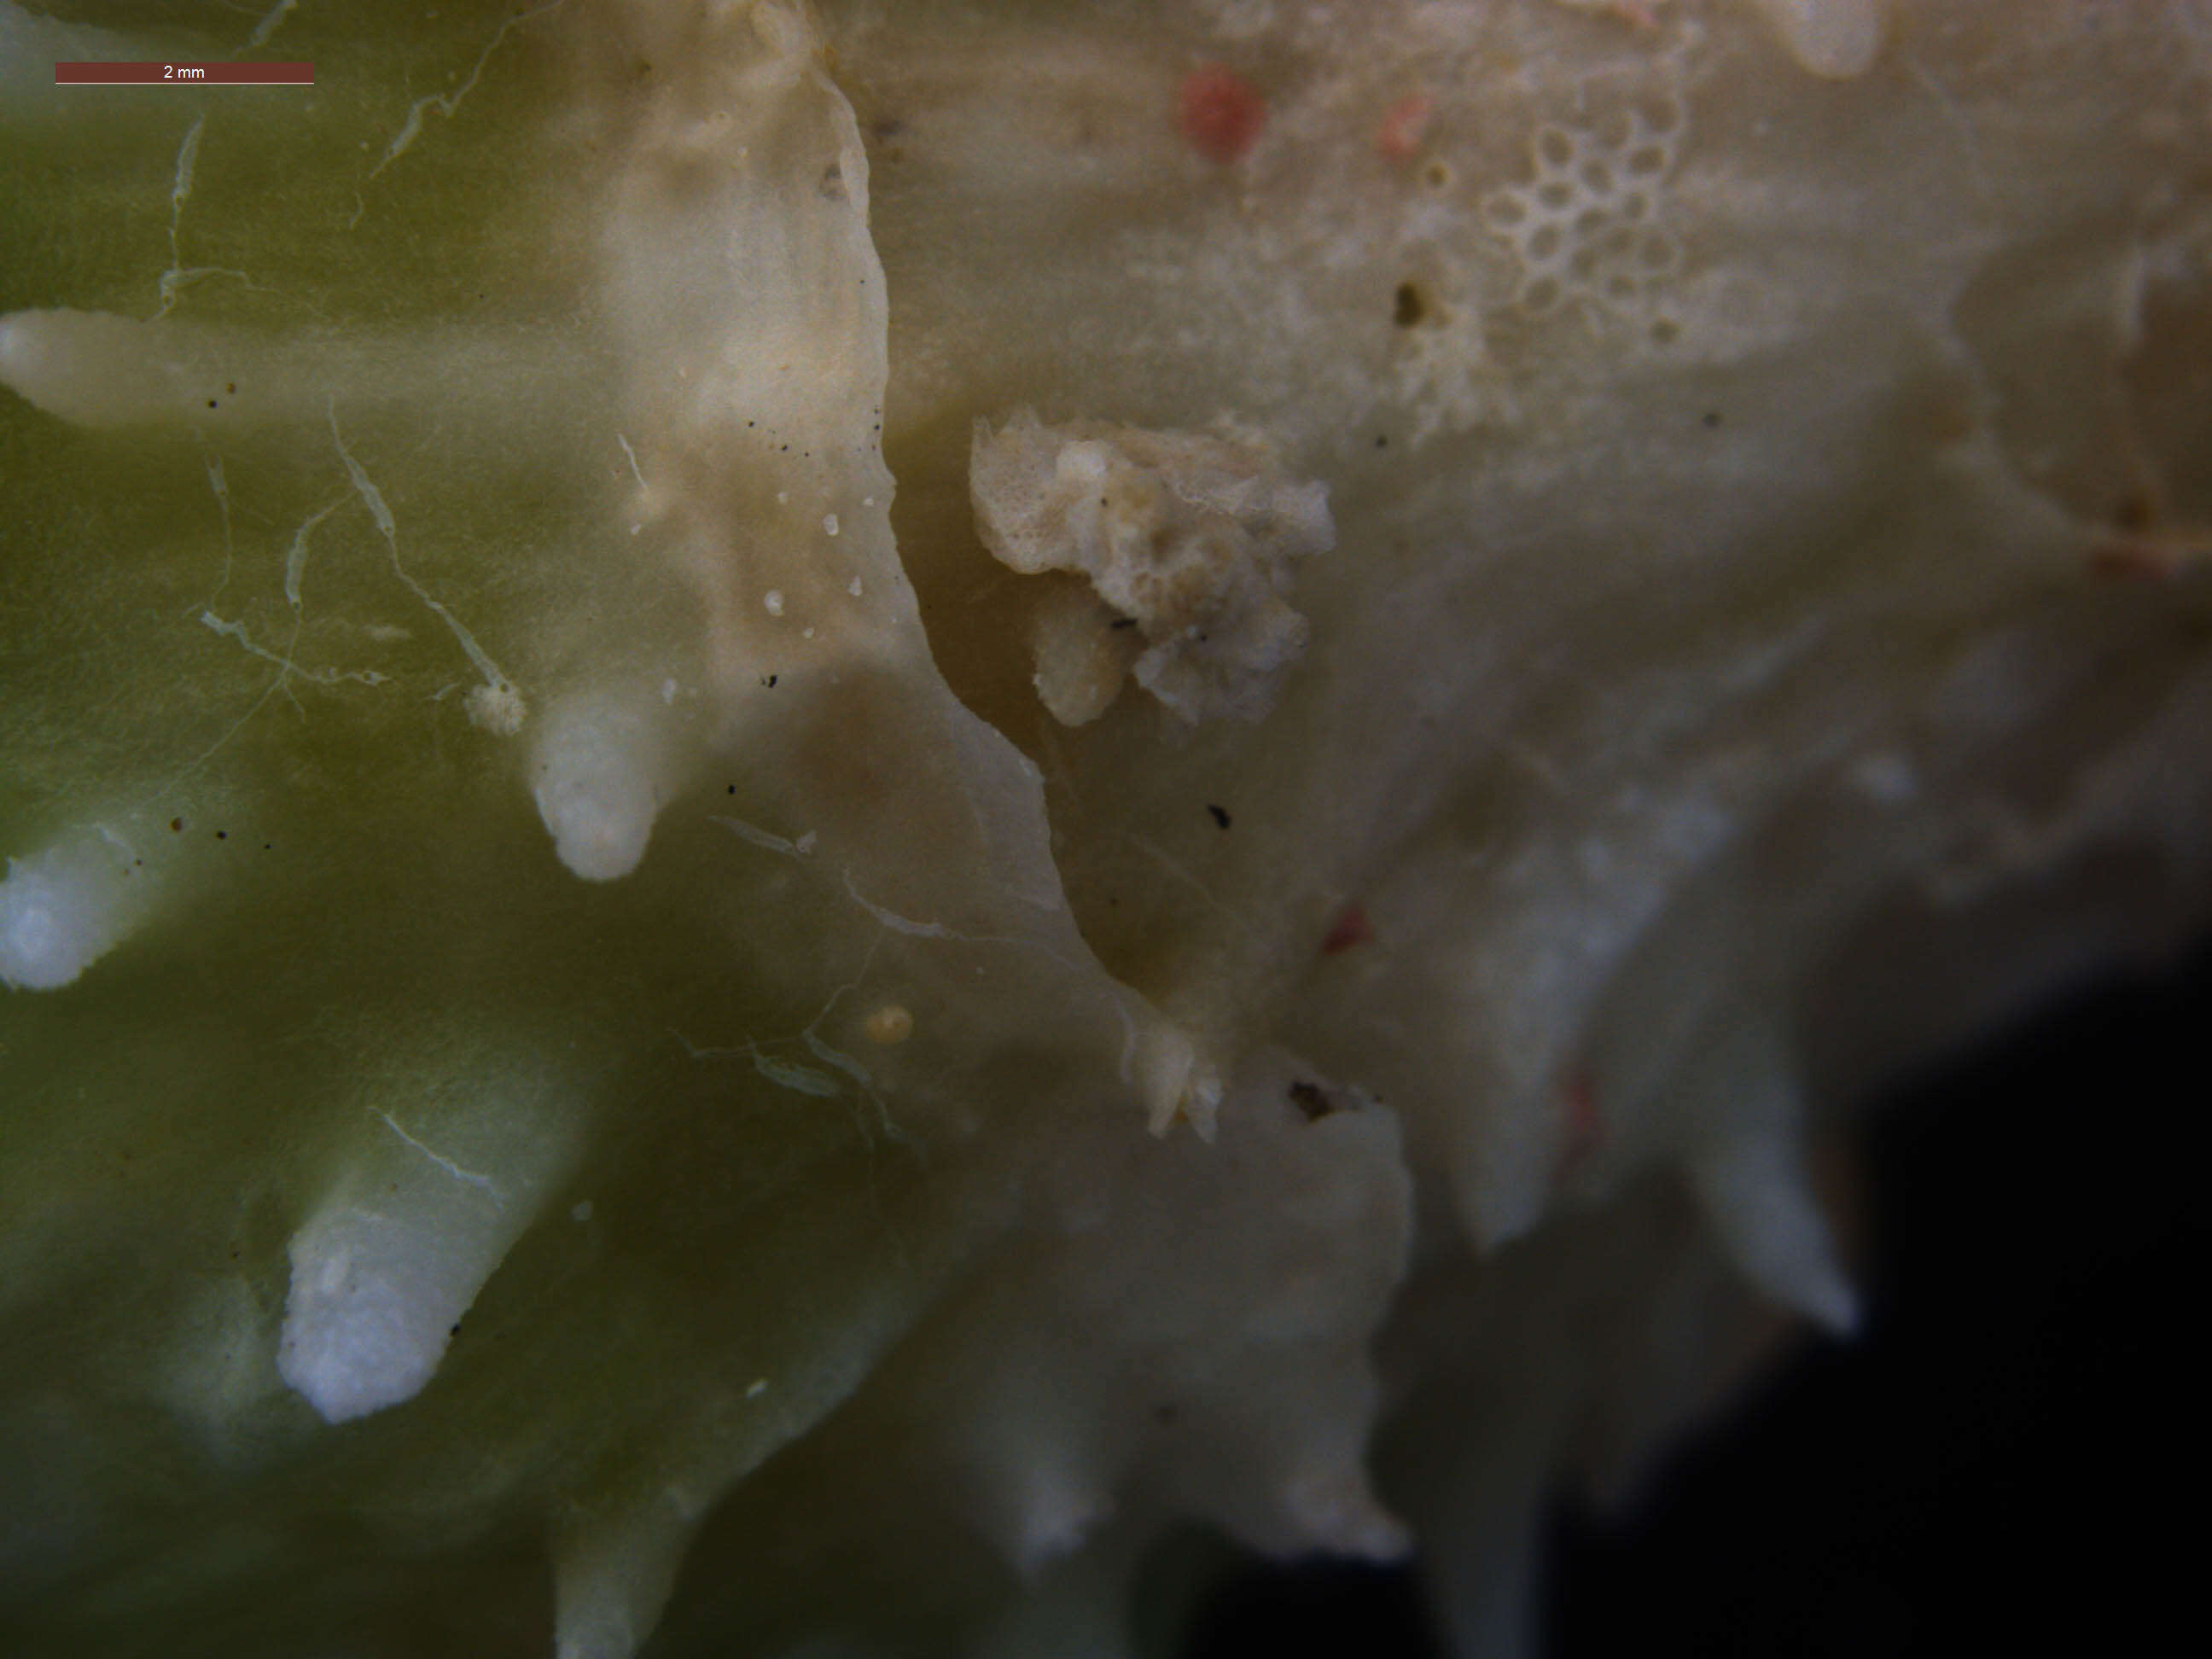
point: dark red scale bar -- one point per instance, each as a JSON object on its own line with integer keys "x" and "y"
{"x": 186, "y": 75}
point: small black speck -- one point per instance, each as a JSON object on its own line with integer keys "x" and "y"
{"x": 268, "y": 846}
{"x": 229, "y": 387}
{"x": 210, "y": 403}
{"x": 1311, "y": 1099}
{"x": 1122, "y": 622}
{"x": 456, "y": 1331}
{"x": 733, "y": 789}
{"x": 768, "y": 680}
{"x": 176, "y": 826}
{"x": 222, "y": 835}
{"x": 1712, "y": 419}
{"x": 1381, "y": 442}
{"x": 1221, "y": 814}
{"x": 1406, "y": 306}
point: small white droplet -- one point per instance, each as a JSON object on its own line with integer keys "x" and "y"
{"x": 782, "y": 498}
{"x": 755, "y": 1390}
{"x": 855, "y": 589}
{"x": 829, "y": 524}
{"x": 668, "y": 691}
{"x": 806, "y": 633}
{"x": 867, "y": 501}
{"x": 774, "y": 601}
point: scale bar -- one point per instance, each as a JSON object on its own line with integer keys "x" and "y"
{"x": 184, "y": 75}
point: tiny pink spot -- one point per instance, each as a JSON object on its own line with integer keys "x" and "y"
{"x": 1585, "y": 1125}
{"x": 1350, "y": 928}
{"x": 1404, "y": 126}
{"x": 1220, "y": 114}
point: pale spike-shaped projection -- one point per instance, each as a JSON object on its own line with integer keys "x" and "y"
{"x": 1753, "y": 1188}
{"x": 1749, "y": 1171}
{"x": 604, "y": 763}
{"x": 1337, "y": 1509}
{"x": 1053, "y": 1509}
{"x": 430, "y": 1202}
{"x": 612, "y": 1576}
{"x": 67, "y": 905}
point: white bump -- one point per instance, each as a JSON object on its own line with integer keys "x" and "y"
{"x": 829, "y": 524}
{"x": 64, "y": 908}
{"x": 384, "y": 1268}
{"x": 1837, "y": 40}
{"x": 772, "y": 602}
{"x": 599, "y": 779}
{"x": 368, "y": 1315}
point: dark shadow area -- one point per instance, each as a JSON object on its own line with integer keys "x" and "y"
{"x": 2012, "y": 1452}
{"x": 1335, "y": 1607}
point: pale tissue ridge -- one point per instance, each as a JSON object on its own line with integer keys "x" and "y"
{"x": 1619, "y": 513}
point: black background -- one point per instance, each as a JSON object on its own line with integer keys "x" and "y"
{"x": 2014, "y": 1452}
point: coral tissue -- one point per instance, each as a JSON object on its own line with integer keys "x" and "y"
{"x": 819, "y": 818}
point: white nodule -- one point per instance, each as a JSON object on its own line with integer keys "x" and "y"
{"x": 420, "y": 1217}
{"x": 602, "y": 769}
{"x": 66, "y": 906}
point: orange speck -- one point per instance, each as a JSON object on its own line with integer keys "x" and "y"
{"x": 1404, "y": 125}
{"x": 1219, "y": 113}
{"x": 2157, "y": 557}
{"x": 1350, "y": 928}
{"x": 2133, "y": 560}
